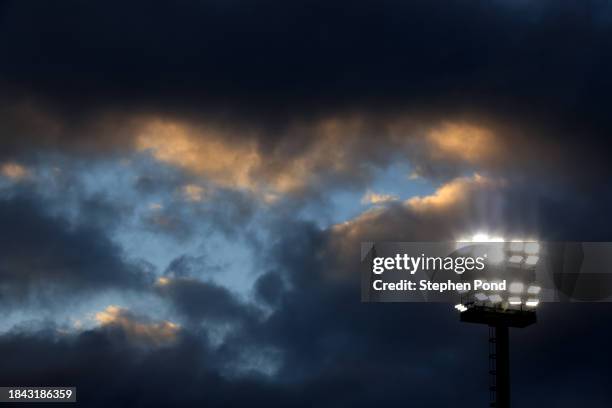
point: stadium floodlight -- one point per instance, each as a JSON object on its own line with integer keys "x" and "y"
{"x": 481, "y": 296}
{"x": 516, "y": 287}
{"x": 517, "y": 246}
{"x": 532, "y": 248}
{"x": 534, "y": 289}
{"x": 514, "y": 307}
{"x": 515, "y": 259}
{"x": 514, "y": 300}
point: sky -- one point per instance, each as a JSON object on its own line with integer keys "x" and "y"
{"x": 184, "y": 187}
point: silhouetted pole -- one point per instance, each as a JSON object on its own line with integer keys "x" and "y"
{"x": 502, "y": 377}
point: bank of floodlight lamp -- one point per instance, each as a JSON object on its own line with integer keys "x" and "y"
{"x": 513, "y": 261}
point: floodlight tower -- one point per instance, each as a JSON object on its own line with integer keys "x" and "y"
{"x": 515, "y": 262}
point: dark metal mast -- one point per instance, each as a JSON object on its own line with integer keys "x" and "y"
{"x": 499, "y": 321}
{"x": 499, "y": 366}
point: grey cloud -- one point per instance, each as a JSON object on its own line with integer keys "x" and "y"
{"x": 538, "y": 75}
{"x": 43, "y": 256}
{"x": 205, "y": 301}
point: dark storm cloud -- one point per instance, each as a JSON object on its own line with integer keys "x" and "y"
{"x": 335, "y": 351}
{"x": 276, "y": 53}
{"x": 205, "y": 301}
{"x": 43, "y": 256}
{"x": 187, "y": 266}
{"x": 326, "y": 334}
{"x": 73, "y": 74}
{"x": 98, "y": 210}
{"x": 185, "y": 374}
{"x": 331, "y": 349}
{"x": 324, "y": 330}
{"x": 269, "y": 288}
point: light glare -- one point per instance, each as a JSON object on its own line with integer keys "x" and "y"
{"x": 516, "y": 287}
{"x": 480, "y": 237}
{"x": 514, "y": 300}
{"x": 532, "y": 248}
{"x": 462, "y": 244}
{"x": 460, "y": 307}
{"x": 515, "y": 259}
{"x": 533, "y": 290}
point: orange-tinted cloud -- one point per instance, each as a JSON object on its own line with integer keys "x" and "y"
{"x": 451, "y": 193}
{"x": 147, "y": 333}
{"x": 452, "y": 207}
{"x": 325, "y": 148}
{"x": 201, "y": 151}
{"x": 14, "y": 171}
{"x": 462, "y": 141}
{"x": 375, "y": 198}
